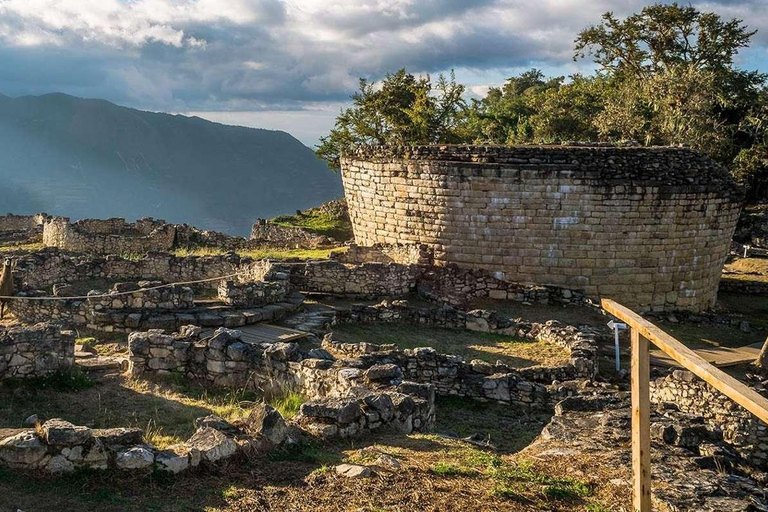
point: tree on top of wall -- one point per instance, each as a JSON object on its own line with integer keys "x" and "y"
{"x": 402, "y": 109}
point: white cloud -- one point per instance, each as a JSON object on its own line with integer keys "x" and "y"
{"x": 240, "y": 54}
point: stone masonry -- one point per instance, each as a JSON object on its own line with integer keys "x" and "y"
{"x": 35, "y": 351}
{"x": 745, "y": 433}
{"x": 649, "y": 227}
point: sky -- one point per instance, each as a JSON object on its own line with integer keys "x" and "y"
{"x": 292, "y": 64}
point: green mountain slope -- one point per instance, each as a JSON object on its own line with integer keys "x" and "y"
{"x": 91, "y": 158}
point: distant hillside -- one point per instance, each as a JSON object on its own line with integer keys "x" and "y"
{"x": 91, "y": 158}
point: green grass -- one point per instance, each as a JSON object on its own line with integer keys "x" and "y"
{"x": 261, "y": 254}
{"x": 513, "y": 480}
{"x": 318, "y": 221}
{"x": 516, "y": 352}
{"x": 287, "y": 403}
{"x": 448, "y": 469}
{"x": 21, "y": 246}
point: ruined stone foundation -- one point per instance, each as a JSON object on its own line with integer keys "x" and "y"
{"x": 649, "y": 227}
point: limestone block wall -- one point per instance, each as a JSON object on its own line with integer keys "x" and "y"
{"x": 11, "y": 222}
{"x": 365, "y": 280}
{"x": 649, "y": 227}
{"x": 111, "y": 236}
{"x": 744, "y": 432}
{"x": 265, "y": 232}
{"x": 35, "y": 351}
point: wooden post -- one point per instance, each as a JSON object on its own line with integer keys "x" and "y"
{"x": 641, "y": 423}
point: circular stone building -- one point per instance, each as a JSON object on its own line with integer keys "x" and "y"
{"x": 649, "y": 227}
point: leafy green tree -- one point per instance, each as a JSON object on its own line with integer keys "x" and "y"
{"x": 404, "y": 109}
{"x": 673, "y": 77}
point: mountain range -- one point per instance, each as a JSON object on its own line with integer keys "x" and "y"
{"x": 91, "y": 158}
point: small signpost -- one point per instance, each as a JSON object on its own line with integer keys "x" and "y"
{"x": 616, "y": 326}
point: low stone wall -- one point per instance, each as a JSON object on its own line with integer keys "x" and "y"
{"x": 11, "y": 222}
{"x": 97, "y": 311}
{"x": 268, "y": 233}
{"x": 449, "y": 284}
{"x": 35, "y": 351}
{"x": 580, "y": 344}
{"x": 745, "y": 433}
{"x": 111, "y": 236}
{"x": 458, "y": 285}
{"x": 362, "y": 281}
{"x": 404, "y": 254}
{"x": 252, "y": 294}
{"x": 42, "y": 269}
{"x": 225, "y": 361}
{"x": 743, "y": 286}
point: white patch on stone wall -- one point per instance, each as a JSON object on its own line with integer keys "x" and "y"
{"x": 499, "y": 200}
{"x": 564, "y": 222}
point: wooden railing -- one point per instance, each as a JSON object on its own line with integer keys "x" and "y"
{"x": 643, "y": 332}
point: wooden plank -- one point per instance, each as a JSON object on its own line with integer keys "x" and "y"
{"x": 641, "y": 423}
{"x": 720, "y": 356}
{"x": 729, "y": 386}
{"x": 265, "y": 333}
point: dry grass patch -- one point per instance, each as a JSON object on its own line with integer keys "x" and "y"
{"x": 516, "y": 352}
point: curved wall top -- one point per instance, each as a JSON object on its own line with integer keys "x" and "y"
{"x": 649, "y": 227}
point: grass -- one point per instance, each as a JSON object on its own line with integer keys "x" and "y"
{"x": 261, "y": 254}
{"x": 318, "y": 221}
{"x": 288, "y": 403}
{"x": 512, "y": 480}
{"x": 166, "y": 411}
{"x": 508, "y": 428}
{"x": 511, "y": 350}
{"x": 21, "y": 246}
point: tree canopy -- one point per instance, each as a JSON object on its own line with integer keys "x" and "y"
{"x": 666, "y": 76}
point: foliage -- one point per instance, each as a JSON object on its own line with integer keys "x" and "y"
{"x": 404, "y": 109}
{"x": 666, "y": 76}
{"x": 331, "y": 220}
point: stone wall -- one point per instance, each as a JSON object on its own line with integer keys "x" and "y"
{"x": 268, "y": 233}
{"x": 743, "y": 286}
{"x": 362, "y": 281}
{"x": 11, "y": 222}
{"x": 105, "y": 309}
{"x": 649, "y": 227}
{"x": 110, "y": 236}
{"x": 257, "y": 293}
{"x": 35, "y": 351}
{"x": 43, "y": 269}
{"x": 740, "y": 429}
{"x": 224, "y": 361}
{"x": 404, "y": 254}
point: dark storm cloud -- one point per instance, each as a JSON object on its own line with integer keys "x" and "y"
{"x": 271, "y": 54}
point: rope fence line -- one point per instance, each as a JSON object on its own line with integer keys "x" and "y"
{"x": 130, "y": 292}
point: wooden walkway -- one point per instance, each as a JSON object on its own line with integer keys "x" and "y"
{"x": 264, "y": 333}
{"x": 717, "y": 356}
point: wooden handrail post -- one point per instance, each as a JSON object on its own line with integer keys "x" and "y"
{"x": 641, "y": 423}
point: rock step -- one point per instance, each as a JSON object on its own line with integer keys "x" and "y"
{"x": 213, "y": 316}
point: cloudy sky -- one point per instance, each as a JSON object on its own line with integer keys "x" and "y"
{"x": 291, "y": 64}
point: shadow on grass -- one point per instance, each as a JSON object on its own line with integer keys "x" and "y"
{"x": 508, "y": 428}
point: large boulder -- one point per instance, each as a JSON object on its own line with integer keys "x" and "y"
{"x": 22, "y": 449}
{"x": 266, "y": 421}
{"x": 57, "y": 432}
{"x": 137, "y": 457}
{"x": 212, "y": 444}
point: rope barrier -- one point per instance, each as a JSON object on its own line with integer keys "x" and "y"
{"x": 118, "y": 294}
